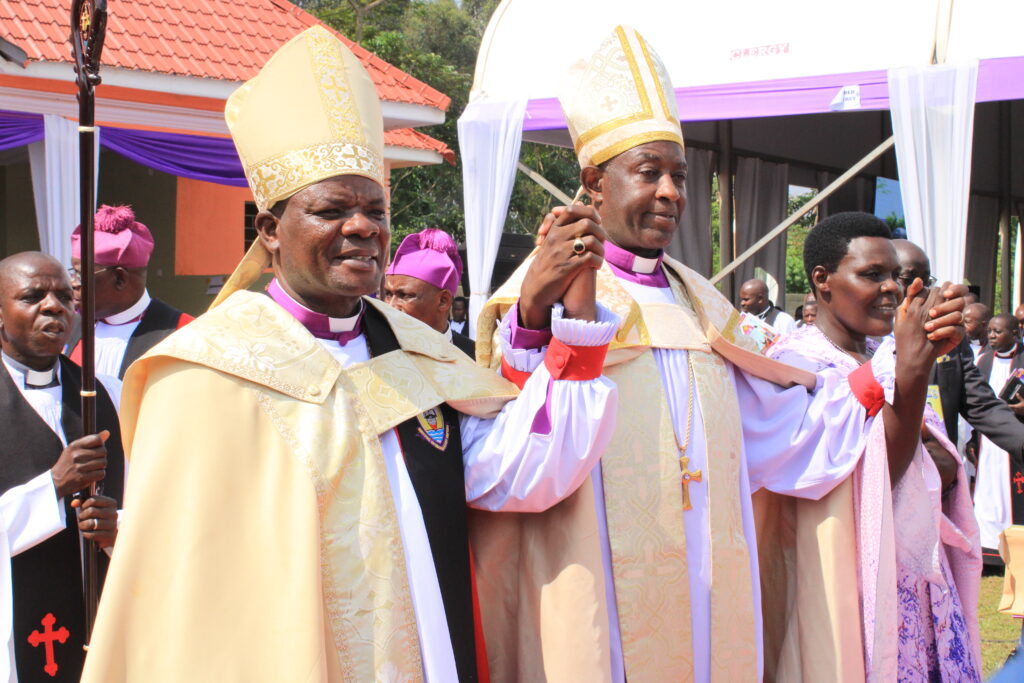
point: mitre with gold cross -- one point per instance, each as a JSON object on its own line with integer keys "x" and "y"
{"x": 622, "y": 97}
{"x": 311, "y": 113}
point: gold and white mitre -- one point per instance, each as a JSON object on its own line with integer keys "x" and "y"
{"x": 622, "y": 97}
{"x": 311, "y": 113}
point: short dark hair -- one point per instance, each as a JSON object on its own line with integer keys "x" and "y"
{"x": 460, "y": 299}
{"x": 828, "y": 242}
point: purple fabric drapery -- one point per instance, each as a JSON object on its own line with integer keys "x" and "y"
{"x": 189, "y": 156}
{"x": 998, "y": 79}
{"x": 17, "y": 129}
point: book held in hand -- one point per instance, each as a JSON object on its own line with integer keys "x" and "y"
{"x": 1013, "y": 386}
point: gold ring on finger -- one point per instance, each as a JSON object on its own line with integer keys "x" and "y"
{"x": 95, "y": 524}
{"x": 578, "y": 247}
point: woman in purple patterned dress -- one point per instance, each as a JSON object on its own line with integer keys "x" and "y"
{"x": 933, "y": 545}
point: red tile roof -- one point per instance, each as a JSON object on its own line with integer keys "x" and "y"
{"x": 221, "y": 39}
{"x": 413, "y": 139}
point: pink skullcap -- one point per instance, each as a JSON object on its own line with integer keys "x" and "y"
{"x": 431, "y": 256}
{"x": 119, "y": 239}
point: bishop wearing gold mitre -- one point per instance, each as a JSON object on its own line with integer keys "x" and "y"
{"x": 649, "y": 571}
{"x": 301, "y": 459}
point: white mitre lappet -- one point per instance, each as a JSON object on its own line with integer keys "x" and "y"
{"x": 311, "y": 113}
{"x": 619, "y": 99}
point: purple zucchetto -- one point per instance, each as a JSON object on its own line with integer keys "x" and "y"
{"x": 118, "y": 239}
{"x": 430, "y": 255}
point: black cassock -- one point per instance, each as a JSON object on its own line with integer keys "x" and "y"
{"x": 432, "y": 449}
{"x": 49, "y": 607}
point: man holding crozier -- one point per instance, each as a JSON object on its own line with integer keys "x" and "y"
{"x": 44, "y": 460}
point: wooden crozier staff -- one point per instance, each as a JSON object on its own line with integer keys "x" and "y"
{"x": 88, "y": 26}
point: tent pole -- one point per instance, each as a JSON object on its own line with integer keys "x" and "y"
{"x": 817, "y": 199}
{"x": 545, "y": 183}
{"x": 726, "y": 250}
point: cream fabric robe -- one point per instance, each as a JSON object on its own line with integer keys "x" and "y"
{"x": 541, "y": 577}
{"x": 275, "y": 539}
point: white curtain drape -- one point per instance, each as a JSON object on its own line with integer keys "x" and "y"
{"x": 490, "y": 134}
{"x": 762, "y": 196}
{"x": 982, "y": 237}
{"x": 55, "y": 180}
{"x": 692, "y": 242}
{"x": 933, "y": 121}
{"x": 55, "y": 184}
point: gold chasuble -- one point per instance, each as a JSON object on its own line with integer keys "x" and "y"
{"x": 541, "y": 576}
{"x": 312, "y": 590}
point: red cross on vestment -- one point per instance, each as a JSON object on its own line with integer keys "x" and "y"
{"x": 1018, "y": 479}
{"x": 46, "y": 638}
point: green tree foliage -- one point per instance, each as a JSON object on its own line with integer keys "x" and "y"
{"x": 796, "y": 278}
{"x": 358, "y": 20}
{"x": 895, "y": 221}
{"x": 436, "y": 41}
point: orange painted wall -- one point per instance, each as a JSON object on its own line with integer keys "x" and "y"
{"x": 209, "y": 227}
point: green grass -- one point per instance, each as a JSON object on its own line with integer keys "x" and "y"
{"x": 999, "y": 632}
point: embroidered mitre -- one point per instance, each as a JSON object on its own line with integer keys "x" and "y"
{"x": 622, "y": 97}
{"x": 311, "y": 113}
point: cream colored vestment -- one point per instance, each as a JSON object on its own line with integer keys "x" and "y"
{"x": 274, "y": 553}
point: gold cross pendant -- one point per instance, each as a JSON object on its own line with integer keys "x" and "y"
{"x": 688, "y": 477}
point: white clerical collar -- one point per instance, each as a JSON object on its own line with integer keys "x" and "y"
{"x": 27, "y": 378}
{"x": 336, "y": 325}
{"x": 346, "y": 324}
{"x": 132, "y": 313}
{"x": 1006, "y": 354}
{"x": 645, "y": 266}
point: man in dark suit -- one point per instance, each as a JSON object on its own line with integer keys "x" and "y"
{"x": 422, "y": 281}
{"x": 128, "y": 320}
{"x": 460, "y": 313}
{"x": 999, "y": 492}
{"x": 44, "y": 459}
{"x": 964, "y": 391}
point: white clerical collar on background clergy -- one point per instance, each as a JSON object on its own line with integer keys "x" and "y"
{"x": 1006, "y": 354}
{"x": 132, "y": 313}
{"x": 27, "y": 378}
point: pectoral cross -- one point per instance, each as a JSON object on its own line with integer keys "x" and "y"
{"x": 46, "y": 639}
{"x": 688, "y": 478}
{"x": 1018, "y": 479}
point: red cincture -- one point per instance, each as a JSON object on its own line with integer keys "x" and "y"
{"x": 46, "y": 638}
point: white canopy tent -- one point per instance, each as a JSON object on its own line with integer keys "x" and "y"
{"x": 775, "y": 71}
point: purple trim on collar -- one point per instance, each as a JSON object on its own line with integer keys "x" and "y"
{"x": 318, "y": 324}
{"x": 621, "y": 263}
